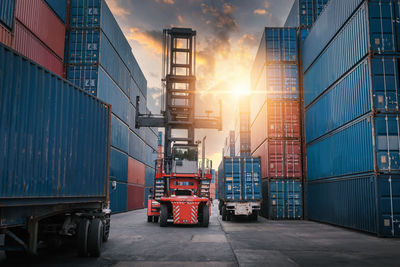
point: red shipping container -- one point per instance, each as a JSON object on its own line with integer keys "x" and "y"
{"x": 276, "y": 159}
{"x": 258, "y": 131}
{"x": 31, "y": 47}
{"x": 293, "y": 159}
{"x": 37, "y": 16}
{"x": 262, "y": 153}
{"x": 135, "y": 197}
{"x": 291, "y": 119}
{"x": 6, "y": 37}
{"x": 136, "y": 172}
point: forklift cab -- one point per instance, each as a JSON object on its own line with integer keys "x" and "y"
{"x": 185, "y": 159}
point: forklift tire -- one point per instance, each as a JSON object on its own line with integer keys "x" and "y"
{"x": 224, "y": 215}
{"x": 206, "y": 216}
{"x": 149, "y": 218}
{"x": 82, "y": 237}
{"x": 155, "y": 219}
{"x": 164, "y": 215}
{"x": 95, "y": 238}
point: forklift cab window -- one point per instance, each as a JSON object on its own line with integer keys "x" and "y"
{"x": 185, "y": 153}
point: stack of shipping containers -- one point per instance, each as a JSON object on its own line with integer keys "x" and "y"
{"x": 351, "y": 97}
{"x": 242, "y": 128}
{"x": 276, "y": 123}
{"x": 100, "y": 60}
{"x": 36, "y": 29}
{"x": 213, "y": 190}
{"x": 229, "y": 147}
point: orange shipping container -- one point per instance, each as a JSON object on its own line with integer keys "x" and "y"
{"x": 136, "y": 172}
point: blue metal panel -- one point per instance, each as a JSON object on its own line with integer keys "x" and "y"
{"x": 251, "y": 178}
{"x": 136, "y": 147}
{"x": 118, "y": 165}
{"x": 368, "y": 203}
{"x": 146, "y": 195}
{"x": 289, "y": 44}
{"x": 119, "y": 134}
{"x": 348, "y": 47}
{"x": 276, "y": 200}
{"x": 53, "y": 136}
{"x": 7, "y": 13}
{"x": 85, "y": 77}
{"x": 273, "y": 44}
{"x": 340, "y": 153}
{"x": 282, "y": 81}
{"x": 328, "y": 24}
{"x": 160, "y": 135}
{"x": 344, "y": 102}
{"x": 306, "y": 9}
{"x": 294, "y": 199}
{"x": 319, "y": 6}
{"x": 293, "y": 18}
{"x": 59, "y": 7}
{"x": 150, "y": 174}
{"x": 118, "y": 197}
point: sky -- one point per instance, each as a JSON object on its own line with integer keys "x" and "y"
{"x": 228, "y": 36}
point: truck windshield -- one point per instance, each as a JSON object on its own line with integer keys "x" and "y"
{"x": 187, "y": 153}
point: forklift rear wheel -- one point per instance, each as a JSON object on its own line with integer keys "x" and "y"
{"x": 164, "y": 215}
{"x": 206, "y": 216}
{"x": 149, "y": 218}
{"x": 95, "y": 237}
{"x": 155, "y": 219}
{"x": 224, "y": 215}
{"x": 82, "y": 237}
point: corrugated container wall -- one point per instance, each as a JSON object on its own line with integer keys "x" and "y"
{"x": 100, "y": 61}
{"x": 62, "y": 136}
{"x": 304, "y": 13}
{"x": 59, "y": 7}
{"x": 7, "y": 13}
{"x": 352, "y": 115}
{"x": 242, "y": 128}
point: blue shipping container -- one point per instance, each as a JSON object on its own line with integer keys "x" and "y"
{"x": 59, "y": 7}
{"x": 283, "y": 199}
{"x": 368, "y": 203}
{"x": 150, "y": 175}
{"x": 118, "y": 165}
{"x": 7, "y": 8}
{"x": 350, "y": 97}
{"x": 54, "y": 138}
{"x": 302, "y": 13}
{"x": 239, "y": 179}
{"x": 118, "y": 197}
{"x": 370, "y": 144}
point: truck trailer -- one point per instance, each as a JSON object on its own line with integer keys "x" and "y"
{"x": 239, "y": 187}
{"x": 54, "y": 161}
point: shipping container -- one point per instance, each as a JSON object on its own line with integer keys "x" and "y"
{"x": 6, "y": 37}
{"x": 95, "y": 14}
{"x": 305, "y": 12}
{"x": 59, "y": 7}
{"x": 370, "y": 144}
{"x": 55, "y": 139}
{"x": 135, "y": 197}
{"x": 41, "y": 21}
{"x": 7, "y": 8}
{"x": 239, "y": 179}
{"x": 118, "y": 165}
{"x": 118, "y": 196}
{"x": 136, "y": 172}
{"x": 150, "y": 175}
{"x": 30, "y": 46}
{"x": 280, "y": 158}
{"x": 368, "y": 203}
{"x": 282, "y": 199}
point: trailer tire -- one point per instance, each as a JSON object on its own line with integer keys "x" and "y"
{"x": 254, "y": 216}
{"x": 228, "y": 216}
{"x": 164, "y": 215}
{"x": 206, "y": 216}
{"x": 224, "y": 215}
{"x": 95, "y": 237}
{"x": 106, "y": 229}
{"x": 155, "y": 219}
{"x": 82, "y": 237}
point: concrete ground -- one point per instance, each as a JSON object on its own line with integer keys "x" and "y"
{"x": 134, "y": 242}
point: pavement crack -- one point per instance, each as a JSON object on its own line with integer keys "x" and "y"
{"x": 229, "y": 242}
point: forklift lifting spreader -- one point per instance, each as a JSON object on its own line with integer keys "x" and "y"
{"x": 181, "y": 191}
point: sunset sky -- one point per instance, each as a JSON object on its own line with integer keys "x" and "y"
{"x": 228, "y": 35}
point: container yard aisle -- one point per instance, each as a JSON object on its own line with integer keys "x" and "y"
{"x": 134, "y": 242}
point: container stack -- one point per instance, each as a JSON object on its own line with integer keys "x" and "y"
{"x": 213, "y": 184}
{"x": 304, "y": 13}
{"x": 36, "y": 29}
{"x": 351, "y": 94}
{"x": 229, "y": 148}
{"x": 101, "y": 62}
{"x": 242, "y": 128}
{"x": 276, "y": 123}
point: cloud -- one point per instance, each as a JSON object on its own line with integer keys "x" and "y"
{"x": 116, "y": 9}
{"x": 260, "y": 11}
{"x": 248, "y": 39}
{"x": 152, "y": 40}
{"x": 180, "y": 19}
{"x": 154, "y": 99}
{"x": 169, "y": 2}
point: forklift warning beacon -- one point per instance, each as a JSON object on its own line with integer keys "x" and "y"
{"x": 181, "y": 188}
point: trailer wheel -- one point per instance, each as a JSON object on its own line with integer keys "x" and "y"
{"x": 106, "y": 229}
{"x": 220, "y": 205}
{"x": 149, "y": 218}
{"x": 155, "y": 219}
{"x": 206, "y": 216}
{"x": 224, "y": 213}
{"x": 254, "y": 216}
{"x": 82, "y": 240}
{"x": 228, "y": 215}
{"x": 95, "y": 237}
{"x": 9, "y": 241}
{"x": 164, "y": 215}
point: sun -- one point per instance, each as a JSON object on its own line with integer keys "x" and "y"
{"x": 241, "y": 88}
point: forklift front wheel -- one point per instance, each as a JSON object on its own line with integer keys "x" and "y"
{"x": 164, "y": 215}
{"x": 206, "y": 216}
